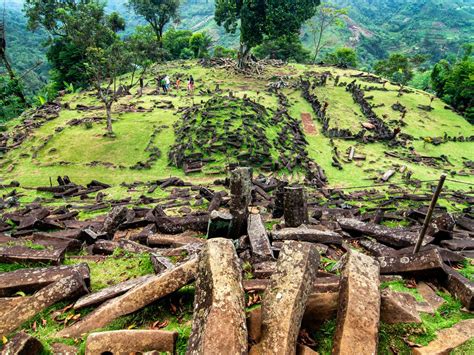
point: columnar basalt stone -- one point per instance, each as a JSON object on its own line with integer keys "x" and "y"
{"x": 395, "y": 237}
{"x": 295, "y": 205}
{"x": 398, "y": 307}
{"x": 131, "y": 341}
{"x": 458, "y": 285}
{"x": 259, "y": 242}
{"x": 115, "y": 217}
{"x": 68, "y": 287}
{"x": 428, "y": 262}
{"x": 278, "y": 208}
{"x": 359, "y": 306}
{"x": 305, "y": 234}
{"x": 22, "y": 344}
{"x": 109, "y": 292}
{"x": 219, "y": 306}
{"x": 135, "y": 299}
{"x": 285, "y": 299}
{"x": 448, "y": 339}
{"x": 30, "y": 280}
{"x": 240, "y": 198}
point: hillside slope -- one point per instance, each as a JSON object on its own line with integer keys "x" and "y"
{"x": 273, "y": 130}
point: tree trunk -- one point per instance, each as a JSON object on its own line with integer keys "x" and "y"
{"x": 242, "y": 57}
{"x": 13, "y": 77}
{"x": 108, "y": 109}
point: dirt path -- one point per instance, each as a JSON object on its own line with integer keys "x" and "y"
{"x": 308, "y": 124}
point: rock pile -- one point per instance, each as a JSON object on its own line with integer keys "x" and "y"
{"x": 285, "y": 263}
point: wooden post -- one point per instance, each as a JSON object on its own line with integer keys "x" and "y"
{"x": 429, "y": 214}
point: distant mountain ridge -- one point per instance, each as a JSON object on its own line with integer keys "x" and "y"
{"x": 374, "y": 27}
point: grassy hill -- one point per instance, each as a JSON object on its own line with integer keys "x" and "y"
{"x": 154, "y": 129}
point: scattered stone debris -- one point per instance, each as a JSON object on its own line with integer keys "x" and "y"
{"x": 264, "y": 242}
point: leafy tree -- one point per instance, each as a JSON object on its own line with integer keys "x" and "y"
{"x": 327, "y": 15}
{"x": 286, "y": 48}
{"x": 342, "y": 57}
{"x": 11, "y": 105}
{"x": 199, "y": 43}
{"x": 105, "y": 66}
{"x": 397, "y": 68}
{"x": 175, "y": 41}
{"x": 157, "y": 13}
{"x": 74, "y": 26}
{"x": 143, "y": 41}
{"x": 454, "y": 83}
{"x": 222, "y": 52}
{"x": 260, "y": 19}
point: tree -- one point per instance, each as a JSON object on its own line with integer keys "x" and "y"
{"x": 454, "y": 83}
{"x": 74, "y": 26}
{"x": 222, "y": 52}
{"x": 327, "y": 15}
{"x": 157, "y": 13}
{"x": 397, "y": 68}
{"x": 105, "y": 65}
{"x": 342, "y": 57}
{"x": 11, "y": 105}
{"x": 285, "y": 48}
{"x": 143, "y": 41}
{"x": 199, "y": 43}
{"x": 176, "y": 41}
{"x": 260, "y": 19}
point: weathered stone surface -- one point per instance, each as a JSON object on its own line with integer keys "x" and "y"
{"x": 285, "y": 299}
{"x": 395, "y": 237}
{"x": 448, "y": 256}
{"x": 107, "y": 247}
{"x": 295, "y": 206}
{"x": 448, "y": 339}
{"x": 134, "y": 299}
{"x": 131, "y": 341}
{"x": 240, "y": 198}
{"x": 359, "y": 306}
{"x": 398, "y": 307}
{"x": 160, "y": 263}
{"x": 219, "y": 305}
{"x": 305, "y": 350}
{"x": 220, "y": 224}
{"x": 259, "y": 242}
{"x": 173, "y": 241}
{"x": 459, "y": 286}
{"x": 458, "y": 244}
{"x": 20, "y": 253}
{"x": 429, "y": 295}
{"x": 306, "y": 234}
{"x": 22, "y": 344}
{"x": 109, "y": 292}
{"x": 113, "y": 220}
{"x": 254, "y": 325}
{"x": 376, "y": 249}
{"x": 30, "y": 280}
{"x": 176, "y": 225}
{"x": 320, "y": 307}
{"x": 63, "y": 349}
{"x": 424, "y": 262}
{"x": 68, "y": 287}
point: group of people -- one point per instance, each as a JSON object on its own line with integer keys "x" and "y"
{"x": 165, "y": 84}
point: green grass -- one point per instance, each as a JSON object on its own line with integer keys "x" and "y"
{"x": 467, "y": 269}
{"x": 400, "y": 286}
{"x": 120, "y": 267}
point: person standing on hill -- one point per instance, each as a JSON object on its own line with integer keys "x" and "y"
{"x": 167, "y": 83}
{"x": 163, "y": 85}
{"x": 191, "y": 85}
{"x": 178, "y": 83}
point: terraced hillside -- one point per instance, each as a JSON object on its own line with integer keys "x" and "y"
{"x": 135, "y": 219}
{"x": 289, "y": 120}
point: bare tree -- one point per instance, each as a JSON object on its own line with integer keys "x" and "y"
{"x": 327, "y": 15}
